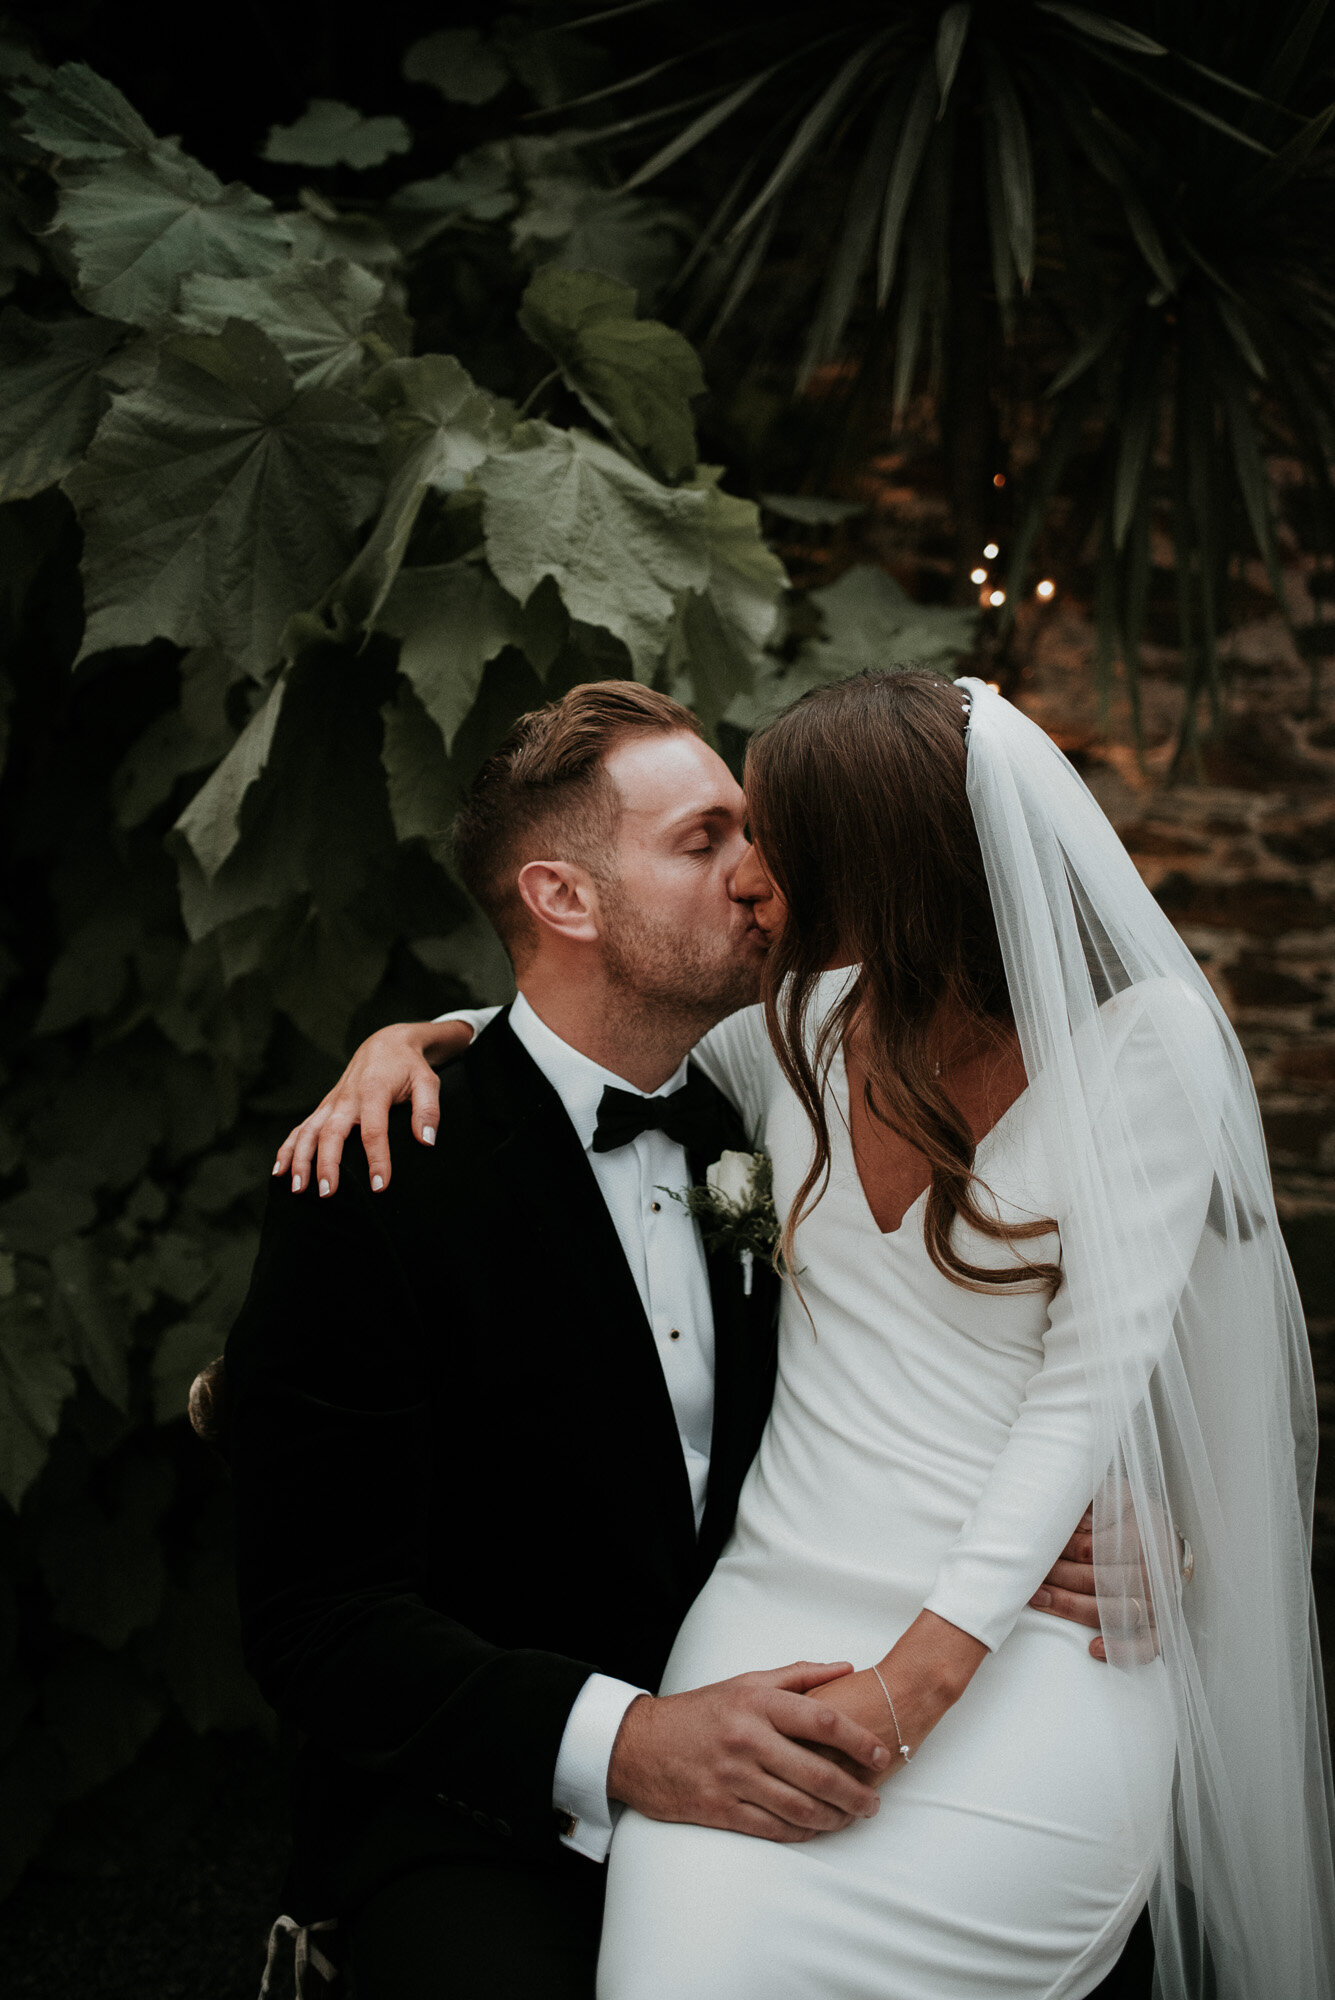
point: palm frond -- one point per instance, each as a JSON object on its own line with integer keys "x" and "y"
{"x": 1014, "y": 166}
{"x": 1102, "y": 28}
{"x": 919, "y": 117}
{"x": 814, "y": 124}
{"x": 951, "y": 36}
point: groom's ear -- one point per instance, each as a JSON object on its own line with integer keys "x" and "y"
{"x": 562, "y": 899}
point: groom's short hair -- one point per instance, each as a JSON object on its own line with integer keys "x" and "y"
{"x": 545, "y": 795}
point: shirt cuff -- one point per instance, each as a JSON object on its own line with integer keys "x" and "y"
{"x": 477, "y": 1018}
{"x": 579, "y": 1784}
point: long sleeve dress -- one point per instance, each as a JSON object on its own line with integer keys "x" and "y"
{"x": 929, "y": 1446}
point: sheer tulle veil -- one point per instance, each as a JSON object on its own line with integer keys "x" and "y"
{"x": 1201, "y": 1383}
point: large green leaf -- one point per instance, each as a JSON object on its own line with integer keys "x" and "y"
{"x": 332, "y": 968}
{"x": 473, "y": 955}
{"x": 211, "y": 823}
{"x": 217, "y": 501}
{"x": 54, "y": 395}
{"x": 141, "y": 223}
{"x": 309, "y": 837}
{"x": 463, "y": 67}
{"x": 316, "y": 314}
{"x": 570, "y": 220}
{"x": 423, "y": 796}
{"x": 439, "y": 427}
{"x": 721, "y": 632}
{"x": 192, "y": 736}
{"x": 330, "y": 134}
{"x": 477, "y": 188}
{"x": 36, "y": 1381}
{"x": 78, "y": 115}
{"x": 871, "y": 621}
{"x": 620, "y": 547}
{"x": 450, "y": 620}
{"x": 634, "y": 376}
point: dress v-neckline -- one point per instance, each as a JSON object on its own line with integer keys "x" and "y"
{"x": 845, "y": 1109}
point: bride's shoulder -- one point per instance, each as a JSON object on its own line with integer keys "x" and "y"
{"x": 1168, "y": 1033}
{"x": 1168, "y": 1003}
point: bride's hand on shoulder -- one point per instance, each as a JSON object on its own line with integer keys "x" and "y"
{"x": 390, "y": 1067}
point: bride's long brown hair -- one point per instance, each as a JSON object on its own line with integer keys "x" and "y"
{"x": 858, "y": 807}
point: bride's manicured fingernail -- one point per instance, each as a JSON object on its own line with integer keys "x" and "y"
{"x": 428, "y": 1135}
{"x": 296, "y": 1183}
{"x": 278, "y": 1166}
{"x": 1041, "y": 1599}
{"x": 377, "y": 1183}
{"x": 324, "y": 1187}
{"x": 880, "y": 1758}
{"x": 870, "y": 1812}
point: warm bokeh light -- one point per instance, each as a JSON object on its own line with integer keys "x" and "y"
{"x": 991, "y": 551}
{"x": 978, "y": 576}
{"x": 998, "y": 479}
{"x": 996, "y": 597}
{"x": 1045, "y": 589}
{"x": 995, "y": 686}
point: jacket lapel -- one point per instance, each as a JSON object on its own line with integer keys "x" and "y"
{"x": 744, "y": 1346}
{"x": 537, "y": 1149}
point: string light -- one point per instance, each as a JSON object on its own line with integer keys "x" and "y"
{"x": 978, "y": 576}
{"x": 996, "y": 597}
{"x": 1045, "y": 589}
{"x": 998, "y": 479}
{"x": 991, "y": 551}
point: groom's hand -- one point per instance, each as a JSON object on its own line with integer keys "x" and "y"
{"x": 1068, "y": 1589}
{"x": 750, "y": 1755}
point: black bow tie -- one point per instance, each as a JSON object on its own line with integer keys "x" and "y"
{"x": 688, "y": 1115}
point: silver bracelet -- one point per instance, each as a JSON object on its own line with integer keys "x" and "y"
{"x": 904, "y": 1750}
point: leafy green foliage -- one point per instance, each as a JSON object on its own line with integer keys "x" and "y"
{"x": 77, "y": 115}
{"x": 635, "y": 377}
{"x": 54, "y": 395}
{"x": 320, "y": 572}
{"x": 871, "y": 622}
{"x": 330, "y": 134}
{"x": 325, "y": 318}
{"x": 462, "y": 66}
{"x": 620, "y": 546}
{"x": 219, "y": 498}
{"x": 140, "y": 222}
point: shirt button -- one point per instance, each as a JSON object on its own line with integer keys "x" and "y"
{"x": 675, "y": 1334}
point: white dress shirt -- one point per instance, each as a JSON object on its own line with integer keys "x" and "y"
{"x": 667, "y": 1261}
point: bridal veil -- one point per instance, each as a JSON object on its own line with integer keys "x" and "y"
{"x": 1204, "y": 1421}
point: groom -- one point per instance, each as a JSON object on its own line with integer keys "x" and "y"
{"x": 488, "y": 1427}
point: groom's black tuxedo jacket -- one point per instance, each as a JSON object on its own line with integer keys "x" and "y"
{"x": 458, "y": 1479}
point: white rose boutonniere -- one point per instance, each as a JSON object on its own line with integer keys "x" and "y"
{"x": 735, "y": 1208}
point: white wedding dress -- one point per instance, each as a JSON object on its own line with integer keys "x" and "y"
{"x": 929, "y": 1446}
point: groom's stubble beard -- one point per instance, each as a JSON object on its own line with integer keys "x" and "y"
{"x": 673, "y": 981}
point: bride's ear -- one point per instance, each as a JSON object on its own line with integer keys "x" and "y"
{"x": 561, "y": 898}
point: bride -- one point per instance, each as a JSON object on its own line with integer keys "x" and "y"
{"x": 1032, "y": 1259}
